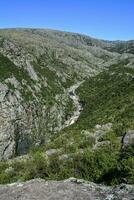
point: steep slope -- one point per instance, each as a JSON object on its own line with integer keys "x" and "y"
{"x": 121, "y": 47}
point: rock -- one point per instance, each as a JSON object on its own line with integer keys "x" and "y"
{"x": 22, "y": 158}
{"x": 13, "y": 81}
{"x": 104, "y": 126}
{"x": 87, "y": 133}
{"x": 128, "y": 138}
{"x": 75, "y": 180}
{"x": 102, "y": 129}
{"x": 31, "y": 71}
{"x": 98, "y": 126}
{"x": 107, "y": 126}
{"x": 100, "y": 144}
{"x": 9, "y": 170}
{"x": 99, "y": 133}
{"x": 51, "y": 152}
{"x": 70, "y": 156}
{"x": 71, "y": 189}
{"x": 64, "y": 157}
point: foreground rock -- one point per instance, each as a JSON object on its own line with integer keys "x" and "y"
{"x": 71, "y": 189}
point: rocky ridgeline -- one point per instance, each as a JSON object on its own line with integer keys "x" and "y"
{"x": 65, "y": 190}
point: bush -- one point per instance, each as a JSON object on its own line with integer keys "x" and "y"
{"x": 36, "y": 168}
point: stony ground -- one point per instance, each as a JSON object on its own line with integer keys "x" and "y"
{"x": 71, "y": 189}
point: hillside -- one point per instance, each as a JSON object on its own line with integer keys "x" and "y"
{"x": 67, "y": 107}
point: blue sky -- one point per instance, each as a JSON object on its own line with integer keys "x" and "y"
{"x": 105, "y": 19}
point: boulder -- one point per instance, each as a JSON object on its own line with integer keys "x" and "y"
{"x": 128, "y": 138}
{"x": 100, "y": 144}
{"x": 51, "y": 152}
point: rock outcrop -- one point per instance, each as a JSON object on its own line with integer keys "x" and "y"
{"x": 128, "y": 138}
{"x": 71, "y": 189}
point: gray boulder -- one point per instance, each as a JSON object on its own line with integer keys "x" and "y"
{"x": 51, "y": 152}
{"x": 128, "y": 138}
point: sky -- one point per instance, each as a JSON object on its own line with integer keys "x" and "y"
{"x": 103, "y": 19}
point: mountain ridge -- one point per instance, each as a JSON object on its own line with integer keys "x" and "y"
{"x": 69, "y": 32}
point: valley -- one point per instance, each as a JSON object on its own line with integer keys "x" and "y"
{"x": 66, "y": 110}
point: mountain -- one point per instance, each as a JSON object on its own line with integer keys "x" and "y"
{"x": 67, "y": 107}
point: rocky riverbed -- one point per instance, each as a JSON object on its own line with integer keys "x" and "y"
{"x": 77, "y": 104}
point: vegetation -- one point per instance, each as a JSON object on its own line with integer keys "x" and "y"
{"x": 108, "y": 97}
{"x": 8, "y": 70}
{"x": 104, "y": 165}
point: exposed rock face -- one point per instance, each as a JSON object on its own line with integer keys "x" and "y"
{"x": 7, "y": 129}
{"x": 71, "y": 189}
{"x": 25, "y": 124}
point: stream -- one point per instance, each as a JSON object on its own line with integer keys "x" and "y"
{"x": 77, "y": 104}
